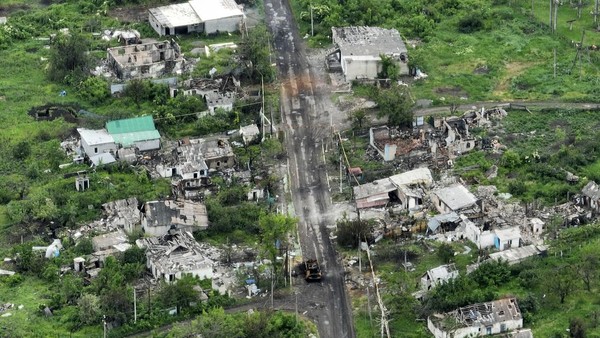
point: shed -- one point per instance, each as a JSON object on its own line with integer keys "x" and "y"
{"x": 249, "y": 133}
{"x": 138, "y": 132}
{"x": 507, "y": 238}
{"x": 201, "y": 16}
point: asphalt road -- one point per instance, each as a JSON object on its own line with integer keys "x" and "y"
{"x": 302, "y": 105}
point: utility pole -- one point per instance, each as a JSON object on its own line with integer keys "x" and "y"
{"x": 134, "y": 306}
{"x": 104, "y": 324}
{"x": 262, "y": 85}
{"x": 341, "y": 173}
{"x": 596, "y": 13}
{"x": 550, "y": 22}
{"x": 556, "y": 3}
{"x": 555, "y": 63}
{"x": 296, "y": 294}
{"x": 312, "y": 23}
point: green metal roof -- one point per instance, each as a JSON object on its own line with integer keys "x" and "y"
{"x": 127, "y": 132}
{"x": 142, "y": 123}
{"x": 127, "y": 139}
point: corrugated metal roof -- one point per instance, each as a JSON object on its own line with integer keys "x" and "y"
{"x": 142, "y": 123}
{"x": 128, "y": 131}
{"x": 129, "y": 139}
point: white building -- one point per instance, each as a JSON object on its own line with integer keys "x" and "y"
{"x": 360, "y": 49}
{"x": 484, "y": 319}
{"x": 196, "y": 16}
{"x": 453, "y": 198}
{"x": 96, "y": 142}
{"x": 437, "y": 276}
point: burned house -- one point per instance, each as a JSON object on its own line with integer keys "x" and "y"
{"x": 218, "y": 153}
{"x": 374, "y": 194}
{"x": 148, "y": 60}
{"x": 123, "y": 214}
{"x": 458, "y": 140}
{"x": 196, "y": 16}
{"x": 390, "y": 143}
{"x": 218, "y": 100}
{"x": 113, "y": 240}
{"x": 137, "y": 132}
{"x": 410, "y": 187}
{"x": 437, "y": 276}
{"x": 161, "y": 216}
{"x": 453, "y": 198}
{"x": 590, "y": 197}
{"x": 484, "y": 319}
{"x": 359, "y": 50}
{"x": 172, "y": 256}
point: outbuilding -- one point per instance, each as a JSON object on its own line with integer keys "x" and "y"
{"x": 196, "y": 16}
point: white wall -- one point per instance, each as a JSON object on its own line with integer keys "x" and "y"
{"x": 156, "y": 25}
{"x": 102, "y": 148}
{"x": 354, "y": 67}
{"x": 148, "y": 145}
{"x": 223, "y": 25}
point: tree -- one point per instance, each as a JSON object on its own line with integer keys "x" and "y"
{"x": 491, "y": 274}
{"x": 445, "y": 253}
{"x": 89, "y": 309}
{"x": 561, "y": 281}
{"x": 389, "y": 68}
{"x": 256, "y": 51}
{"x": 274, "y": 229}
{"x": 352, "y": 231}
{"x": 136, "y": 91}
{"x": 69, "y": 62}
{"x": 179, "y": 294}
{"x": 117, "y": 304}
{"x": 94, "y": 89}
{"x": 587, "y": 269}
{"x": 577, "y": 328}
{"x": 395, "y": 105}
{"x": 357, "y": 118}
{"x": 21, "y": 150}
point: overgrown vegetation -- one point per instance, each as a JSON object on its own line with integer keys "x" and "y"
{"x": 477, "y": 49}
{"x": 542, "y": 147}
{"x": 552, "y": 291}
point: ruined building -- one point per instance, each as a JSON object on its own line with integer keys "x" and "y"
{"x": 149, "y": 60}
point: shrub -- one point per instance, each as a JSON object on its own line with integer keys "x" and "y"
{"x": 470, "y": 24}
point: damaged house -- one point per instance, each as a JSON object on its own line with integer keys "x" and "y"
{"x": 590, "y": 197}
{"x": 148, "y": 60}
{"x": 359, "y": 51}
{"x": 161, "y": 216}
{"x": 410, "y": 185}
{"x": 406, "y": 187}
{"x": 439, "y": 275}
{"x": 172, "y": 256}
{"x": 458, "y": 140}
{"x": 453, "y": 198}
{"x": 484, "y": 319}
{"x": 196, "y": 16}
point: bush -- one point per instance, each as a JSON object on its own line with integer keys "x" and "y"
{"x": 94, "y": 90}
{"x": 470, "y": 24}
